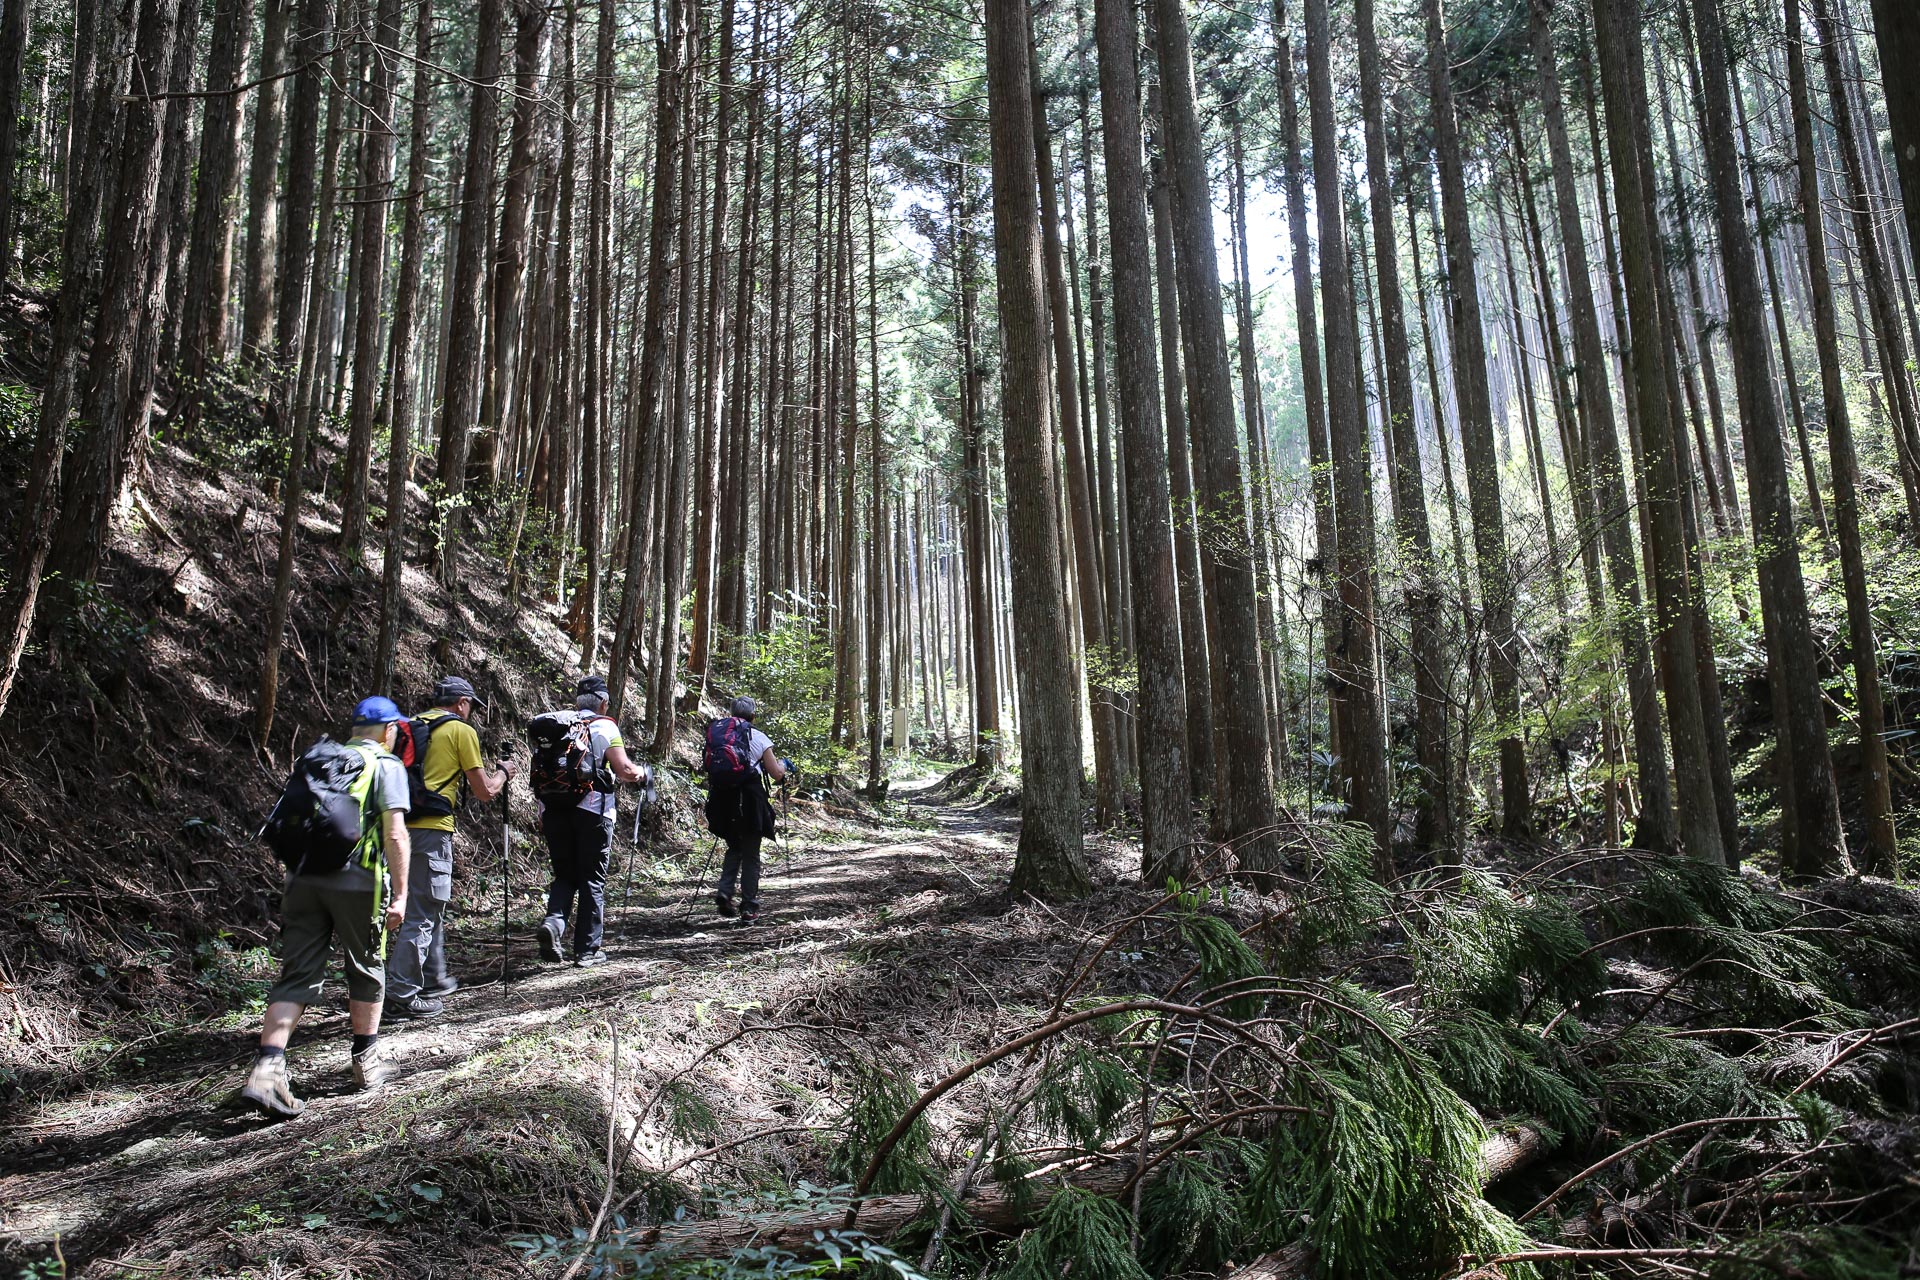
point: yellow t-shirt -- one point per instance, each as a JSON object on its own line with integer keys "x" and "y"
{"x": 453, "y": 749}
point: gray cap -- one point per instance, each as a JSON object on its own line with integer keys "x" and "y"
{"x": 451, "y": 689}
{"x": 744, "y": 707}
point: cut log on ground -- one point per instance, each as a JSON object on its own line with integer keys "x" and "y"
{"x": 996, "y": 1206}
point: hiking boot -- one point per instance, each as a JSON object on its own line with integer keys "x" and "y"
{"x": 370, "y": 1070}
{"x": 269, "y": 1088}
{"x": 549, "y": 938}
{"x": 750, "y": 915}
{"x": 420, "y": 1006}
{"x": 443, "y": 988}
{"x": 724, "y": 905}
{"x": 588, "y": 959}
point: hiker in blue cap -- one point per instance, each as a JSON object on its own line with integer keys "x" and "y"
{"x": 337, "y": 893}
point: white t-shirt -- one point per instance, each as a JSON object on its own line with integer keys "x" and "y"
{"x": 758, "y": 744}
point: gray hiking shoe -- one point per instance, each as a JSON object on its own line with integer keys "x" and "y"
{"x": 548, "y": 936}
{"x": 270, "y": 1089}
{"x": 370, "y": 1070}
{"x": 420, "y": 1006}
{"x": 588, "y": 959}
{"x": 724, "y": 905}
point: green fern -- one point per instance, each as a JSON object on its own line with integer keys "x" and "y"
{"x": 1079, "y": 1233}
{"x": 882, "y": 1093}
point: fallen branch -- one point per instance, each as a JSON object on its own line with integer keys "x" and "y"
{"x": 994, "y": 1205}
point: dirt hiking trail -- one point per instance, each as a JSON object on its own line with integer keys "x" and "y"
{"x": 494, "y": 1122}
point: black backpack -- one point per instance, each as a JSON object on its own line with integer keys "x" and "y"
{"x": 411, "y": 747}
{"x": 566, "y": 768}
{"x": 320, "y": 823}
{"x": 729, "y": 754}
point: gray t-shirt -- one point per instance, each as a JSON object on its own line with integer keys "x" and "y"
{"x": 389, "y": 791}
{"x": 606, "y": 734}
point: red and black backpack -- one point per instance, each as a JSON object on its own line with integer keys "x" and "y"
{"x": 729, "y": 754}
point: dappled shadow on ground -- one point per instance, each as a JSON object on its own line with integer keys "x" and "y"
{"x": 496, "y": 1120}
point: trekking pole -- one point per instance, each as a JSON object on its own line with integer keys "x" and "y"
{"x": 506, "y": 877}
{"x": 700, "y": 885}
{"x": 506, "y": 892}
{"x": 646, "y": 797}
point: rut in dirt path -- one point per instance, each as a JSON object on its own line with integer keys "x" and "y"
{"x": 139, "y": 1165}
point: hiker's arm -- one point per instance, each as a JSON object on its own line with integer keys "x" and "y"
{"x": 488, "y": 783}
{"x": 399, "y": 847}
{"x": 623, "y": 768}
{"x": 771, "y": 766}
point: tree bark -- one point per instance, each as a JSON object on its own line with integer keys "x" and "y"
{"x": 1617, "y": 31}
{"x": 1354, "y": 680}
{"x": 204, "y": 324}
{"x": 1813, "y": 803}
{"x": 303, "y": 120}
{"x": 1433, "y": 821}
{"x": 1090, "y": 580}
{"x": 397, "y": 407}
{"x": 1050, "y": 861}
{"x": 1240, "y": 714}
{"x": 654, "y": 340}
{"x": 263, "y": 183}
{"x": 466, "y": 297}
{"x": 1876, "y": 795}
{"x": 1165, "y": 789}
{"x": 1476, "y": 434}
{"x": 370, "y": 233}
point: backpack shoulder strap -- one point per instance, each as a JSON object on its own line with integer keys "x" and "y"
{"x": 362, "y": 791}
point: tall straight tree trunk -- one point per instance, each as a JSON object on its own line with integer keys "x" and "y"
{"x": 1896, "y": 26}
{"x": 1433, "y": 819}
{"x": 1165, "y": 792}
{"x": 1050, "y": 861}
{"x": 209, "y": 278}
{"x": 706, "y": 493}
{"x": 983, "y": 680}
{"x": 1246, "y": 809}
{"x": 466, "y": 300}
{"x": 263, "y": 182}
{"x": 877, "y": 604}
{"x": 13, "y": 52}
{"x": 1307, "y": 326}
{"x": 370, "y": 235}
{"x": 1354, "y": 681}
{"x": 499, "y": 395}
{"x": 1253, "y": 414}
{"x": 663, "y": 234}
{"x": 1188, "y": 565}
{"x": 1617, "y": 37}
{"x": 1873, "y": 265}
{"x": 1476, "y": 434}
{"x": 1806, "y": 779}
{"x": 94, "y": 146}
{"x": 397, "y": 405}
{"x": 303, "y": 122}
{"x": 1090, "y": 578}
{"x": 1876, "y": 795}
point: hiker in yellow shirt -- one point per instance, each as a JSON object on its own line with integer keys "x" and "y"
{"x": 447, "y": 762}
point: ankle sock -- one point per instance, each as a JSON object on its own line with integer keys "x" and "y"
{"x": 362, "y": 1044}
{"x": 266, "y": 1051}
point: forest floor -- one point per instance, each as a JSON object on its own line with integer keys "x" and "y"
{"x": 496, "y": 1120}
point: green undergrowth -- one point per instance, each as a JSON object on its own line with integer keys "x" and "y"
{"x": 1699, "y": 1057}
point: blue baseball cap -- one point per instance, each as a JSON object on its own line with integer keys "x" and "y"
{"x": 376, "y": 710}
